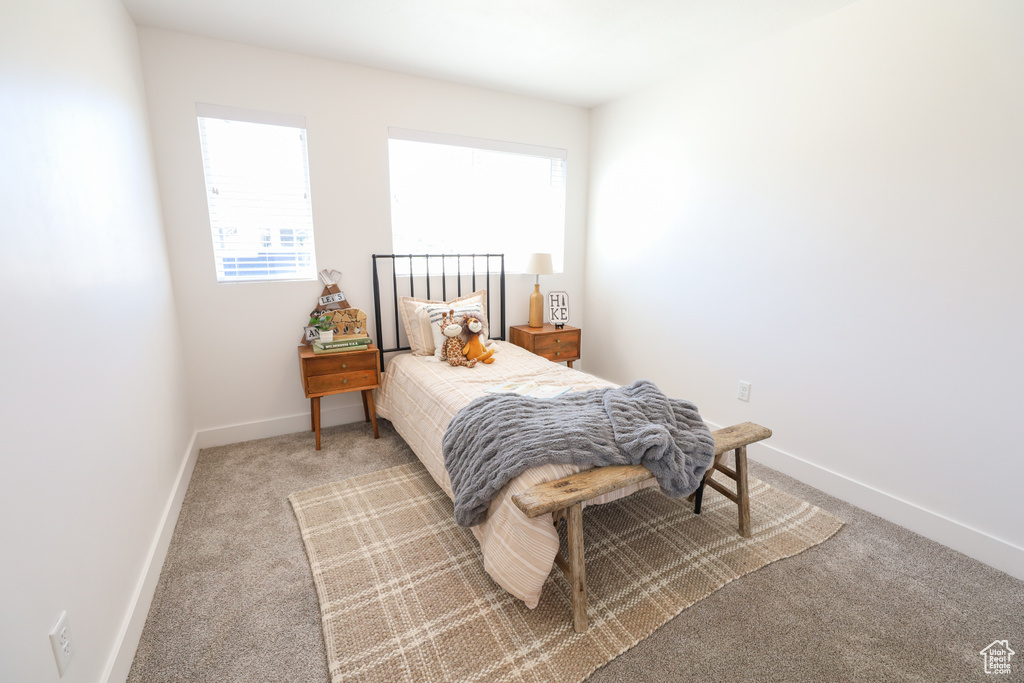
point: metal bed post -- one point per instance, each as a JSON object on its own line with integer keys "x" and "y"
{"x": 376, "y": 307}
{"x": 487, "y": 304}
{"x": 502, "y": 299}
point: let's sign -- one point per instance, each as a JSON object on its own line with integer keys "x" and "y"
{"x": 332, "y": 299}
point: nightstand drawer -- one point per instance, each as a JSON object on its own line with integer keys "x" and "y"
{"x": 570, "y": 352}
{"x": 342, "y": 381}
{"x": 547, "y": 341}
{"x": 564, "y": 344}
{"x": 346, "y": 361}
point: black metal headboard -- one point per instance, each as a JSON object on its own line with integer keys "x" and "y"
{"x": 432, "y": 276}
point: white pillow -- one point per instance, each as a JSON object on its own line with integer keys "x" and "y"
{"x": 417, "y": 328}
{"x": 432, "y": 314}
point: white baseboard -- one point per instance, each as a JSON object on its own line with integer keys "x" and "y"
{"x": 127, "y": 641}
{"x": 972, "y": 542}
{"x": 261, "y": 429}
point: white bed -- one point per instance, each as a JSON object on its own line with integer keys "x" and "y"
{"x": 421, "y": 394}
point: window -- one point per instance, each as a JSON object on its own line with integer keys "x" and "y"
{"x": 452, "y": 194}
{"x": 257, "y": 187}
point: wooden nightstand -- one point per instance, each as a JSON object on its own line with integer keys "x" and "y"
{"x": 553, "y": 344}
{"x": 339, "y": 373}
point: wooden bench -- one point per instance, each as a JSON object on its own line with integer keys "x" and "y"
{"x": 564, "y": 498}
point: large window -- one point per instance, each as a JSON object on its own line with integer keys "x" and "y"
{"x": 257, "y": 187}
{"x": 452, "y": 194}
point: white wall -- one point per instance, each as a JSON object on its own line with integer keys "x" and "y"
{"x": 94, "y": 422}
{"x": 250, "y": 387}
{"x": 835, "y": 216}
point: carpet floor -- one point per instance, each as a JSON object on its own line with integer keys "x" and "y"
{"x": 236, "y": 599}
{"x": 404, "y": 595}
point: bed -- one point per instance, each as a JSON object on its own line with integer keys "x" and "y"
{"x": 420, "y": 394}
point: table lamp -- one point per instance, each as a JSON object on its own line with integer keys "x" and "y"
{"x": 539, "y": 264}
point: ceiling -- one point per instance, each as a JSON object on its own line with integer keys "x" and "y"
{"x": 582, "y": 52}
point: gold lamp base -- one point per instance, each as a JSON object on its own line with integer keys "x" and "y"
{"x": 536, "y": 307}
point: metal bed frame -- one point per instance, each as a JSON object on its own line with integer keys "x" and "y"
{"x": 564, "y": 498}
{"x": 420, "y": 279}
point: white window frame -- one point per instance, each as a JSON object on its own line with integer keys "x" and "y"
{"x": 257, "y": 240}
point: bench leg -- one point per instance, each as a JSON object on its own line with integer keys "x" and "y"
{"x": 742, "y": 495}
{"x": 698, "y": 495}
{"x": 577, "y": 568}
{"x": 743, "y": 491}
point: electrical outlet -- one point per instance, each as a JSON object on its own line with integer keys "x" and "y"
{"x": 60, "y": 641}
{"x": 744, "y": 393}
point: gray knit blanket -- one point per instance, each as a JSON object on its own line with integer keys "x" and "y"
{"x": 497, "y": 437}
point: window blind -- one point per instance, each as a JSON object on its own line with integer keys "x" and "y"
{"x": 454, "y": 194}
{"x": 257, "y": 189}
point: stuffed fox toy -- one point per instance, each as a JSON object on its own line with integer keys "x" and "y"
{"x": 451, "y": 349}
{"x": 474, "y": 349}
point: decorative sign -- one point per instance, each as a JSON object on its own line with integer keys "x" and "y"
{"x": 330, "y": 277}
{"x": 332, "y": 299}
{"x": 558, "y": 308}
{"x": 332, "y": 303}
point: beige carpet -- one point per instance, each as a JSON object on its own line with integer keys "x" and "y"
{"x": 404, "y": 596}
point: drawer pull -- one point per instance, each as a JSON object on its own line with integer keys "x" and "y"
{"x": 557, "y": 340}
{"x": 344, "y": 381}
{"x": 344, "y": 365}
{"x": 557, "y": 353}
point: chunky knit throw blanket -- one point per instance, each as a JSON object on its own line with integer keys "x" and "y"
{"x": 495, "y": 438}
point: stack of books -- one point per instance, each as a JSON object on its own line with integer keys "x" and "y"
{"x": 352, "y": 342}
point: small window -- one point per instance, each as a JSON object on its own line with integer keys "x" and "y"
{"x": 452, "y": 194}
{"x": 257, "y": 188}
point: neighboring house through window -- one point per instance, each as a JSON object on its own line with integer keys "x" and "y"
{"x": 257, "y": 188}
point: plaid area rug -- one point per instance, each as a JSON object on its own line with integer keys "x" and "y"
{"x": 404, "y": 595}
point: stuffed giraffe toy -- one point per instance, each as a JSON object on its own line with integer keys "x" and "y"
{"x": 451, "y": 350}
{"x": 474, "y": 348}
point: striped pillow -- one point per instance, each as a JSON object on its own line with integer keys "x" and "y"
{"x": 417, "y": 328}
{"x": 432, "y": 313}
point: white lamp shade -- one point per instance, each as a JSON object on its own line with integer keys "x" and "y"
{"x": 540, "y": 264}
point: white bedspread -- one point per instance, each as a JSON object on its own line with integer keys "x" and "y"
{"x": 420, "y": 395}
